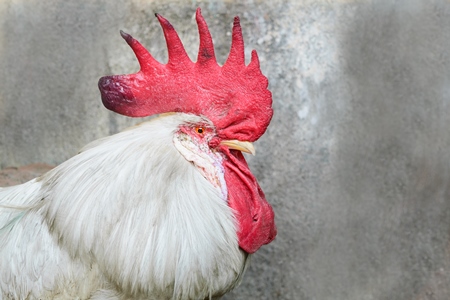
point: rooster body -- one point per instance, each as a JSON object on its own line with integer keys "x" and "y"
{"x": 168, "y": 209}
{"x": 174, "y": 239}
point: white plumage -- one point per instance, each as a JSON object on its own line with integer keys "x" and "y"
{"x": 128, "y": 217}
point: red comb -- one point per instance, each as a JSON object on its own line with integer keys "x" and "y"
{"x": 234, "y": 97}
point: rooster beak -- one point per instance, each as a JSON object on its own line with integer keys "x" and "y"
{"x": 239, "y": 145}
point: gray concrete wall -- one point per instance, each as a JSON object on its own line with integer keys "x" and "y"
{"x": 356, "y": 161}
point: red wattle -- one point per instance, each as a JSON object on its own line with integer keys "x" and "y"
{"x": 254, "y": 214}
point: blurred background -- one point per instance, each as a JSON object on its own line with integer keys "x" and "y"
{"x": 355, "y": 161}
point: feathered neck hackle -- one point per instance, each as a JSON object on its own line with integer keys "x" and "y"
{"x": 234, "y": 97}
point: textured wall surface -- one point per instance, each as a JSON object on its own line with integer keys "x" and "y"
{"x": 356, "y": 161}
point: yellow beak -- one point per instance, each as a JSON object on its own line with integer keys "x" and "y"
{"x": 239, "y": 145}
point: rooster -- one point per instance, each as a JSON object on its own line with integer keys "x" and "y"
{"x": 167, "y": 209}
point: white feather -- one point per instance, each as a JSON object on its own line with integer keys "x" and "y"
{"x": 126, "y": 217}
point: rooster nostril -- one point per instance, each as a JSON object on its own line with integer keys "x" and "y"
{"x": 255, "y": 218}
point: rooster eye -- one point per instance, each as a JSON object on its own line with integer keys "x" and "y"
{"x": 199, "y": 130}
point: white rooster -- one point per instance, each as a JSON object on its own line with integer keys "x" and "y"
{"x": 167, "y": 209}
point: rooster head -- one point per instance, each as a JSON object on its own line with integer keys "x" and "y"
{"x": 234, "y": 100}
